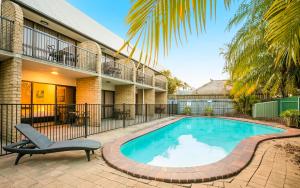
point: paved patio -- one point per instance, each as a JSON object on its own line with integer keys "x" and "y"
{"x": 272, "y": 166}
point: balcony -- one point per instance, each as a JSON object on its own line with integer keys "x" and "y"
{"x": 162, "y": 84}
{"x": 117, "y": 70}
{"x": 6, "y": 32}
{"x": 144, "y": 78}
{"x": 46, "y": 47}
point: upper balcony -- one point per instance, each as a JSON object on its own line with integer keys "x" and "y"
{"x": 6, "y": 32}
{"x": 40, "y": 45}
{"x": 144, "y": 78}
{"x": 117, "y": 70}
{"x": 160, "y": 83}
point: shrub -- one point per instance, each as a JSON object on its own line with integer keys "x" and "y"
{"x": 187, "y": 110}
{"x": 208, "y": 111}
{"x": 291, "y": 117}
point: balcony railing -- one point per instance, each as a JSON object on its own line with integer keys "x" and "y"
{"x": 160, "y": 83}
{"x": 144, "y": 78}
{"x": 43, "y": 46}
{"x": 117, "y": 70}
{"x": 6, "y": 31}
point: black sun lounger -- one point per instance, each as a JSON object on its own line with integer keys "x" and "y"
{"x": 37, "y": 143}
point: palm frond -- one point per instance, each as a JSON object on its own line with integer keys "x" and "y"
{"x": 157, "y": 24}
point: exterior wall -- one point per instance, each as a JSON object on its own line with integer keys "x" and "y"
{"x": 149, "y": 98}
{"x": 14, "y": 12}
{"x": 11, "y": 74}
{"x": 161, "y": 98}
{"x": 10, "y": 93}
{"x": 125, "y": 94}
{"x": 88, "y": 90}
{"x": 92, "y": 47}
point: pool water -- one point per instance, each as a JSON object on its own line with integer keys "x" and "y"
{"x": 192, "y": 141}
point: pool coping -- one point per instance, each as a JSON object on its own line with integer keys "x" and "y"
{"x": 231, "y": 165}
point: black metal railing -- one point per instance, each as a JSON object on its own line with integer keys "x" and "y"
{"x": 117, "y": 70}
{"x": 6, "y": 32}
{"x": 43, "y": 46}
{"x": 160, "y": 83}
{"x": 144, "y": 78}
{"x": 64, "y": 122}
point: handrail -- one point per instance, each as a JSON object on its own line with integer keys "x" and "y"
{"x": 40, "y": 45}
{"x": 144, "y": 78}
{"x": 6, "y": 33}
{"x": 117, "y": 70}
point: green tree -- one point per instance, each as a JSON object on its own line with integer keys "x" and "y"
{"x": 173, "y": 82}
{"x": 251, "y": 61}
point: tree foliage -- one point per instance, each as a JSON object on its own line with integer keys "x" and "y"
{"x": 157, "y": 24}
{"x": 173, "y": 82}
{"x": 255, "y": 62}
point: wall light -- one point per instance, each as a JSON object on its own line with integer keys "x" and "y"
{"x": 55, "y": 73}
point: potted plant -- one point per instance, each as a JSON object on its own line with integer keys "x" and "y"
{"x": 291, "y": 117}
{"x": 187, "y": 110}
{"x": 208, "y": 111}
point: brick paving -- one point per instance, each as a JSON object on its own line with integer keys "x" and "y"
{"x": 271, "y": 166}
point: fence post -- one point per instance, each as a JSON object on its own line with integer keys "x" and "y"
{"x": 146, "y": 112}
{"x": 31, "y": 114}
{"x": 160, "y": 110}
{"x": 85, "y": 120}
{"x": 123, "y": 116}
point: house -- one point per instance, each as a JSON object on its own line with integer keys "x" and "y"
{"x": 214, "y": 94}
{"x": 52, "y": 53}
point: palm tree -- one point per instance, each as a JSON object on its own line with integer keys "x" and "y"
{"x": 252, "y": 64}
{"x": 283, "y": 30}
{"x": 157, "y": 24}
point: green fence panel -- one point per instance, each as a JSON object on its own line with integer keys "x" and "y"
{"x": 272, "y": 109}
{"x": 290, "y": 103}
{"x": 265, "y": 109}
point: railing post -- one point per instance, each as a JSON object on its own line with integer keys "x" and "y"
{"x": 85, "y": 120}
{"x": 146, "y": 112}
{"x": 172, "y": 107}
{"x": 123, "y": 116}
{"x": 31, "y": 114}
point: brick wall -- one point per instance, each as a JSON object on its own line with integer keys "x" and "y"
{"x": 88, "y": 90}
{"x": 161, "y": 98}
{"x": 14, "y": 12}
{"x": 149, "y": 98}
{"x": 10, "y": 93}
{"x": 125, "y": 94}
{"x": 94, "y": 48}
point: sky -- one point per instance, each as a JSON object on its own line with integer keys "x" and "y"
{"x": 196, "y": 62}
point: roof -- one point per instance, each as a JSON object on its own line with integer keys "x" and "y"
{"x": 214, "y": 87}
{"x": 66, "y": 14}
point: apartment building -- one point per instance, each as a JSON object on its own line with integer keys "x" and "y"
{"x": 52, "y": 53}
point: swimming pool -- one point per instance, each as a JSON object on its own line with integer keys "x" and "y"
{"x": 192, "y": 142}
